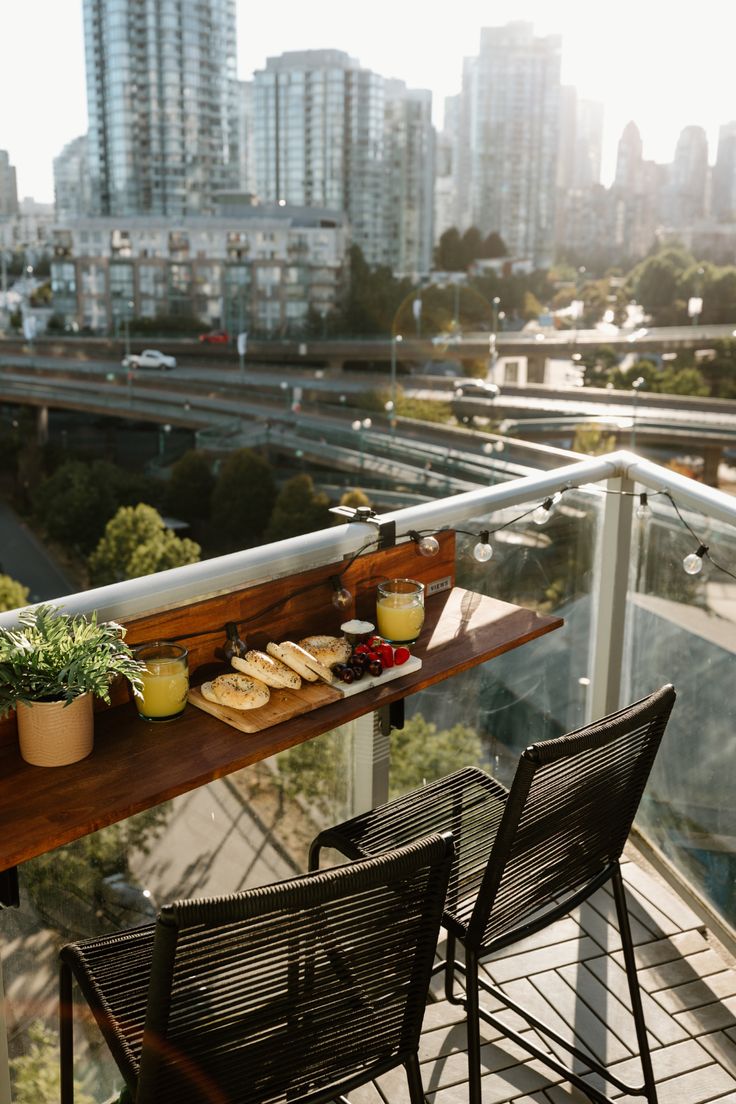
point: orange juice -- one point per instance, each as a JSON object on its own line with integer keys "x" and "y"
{"x": 398, "y": 622}
{"x": 400, "y": 610}
{"x": 165, "y": 681}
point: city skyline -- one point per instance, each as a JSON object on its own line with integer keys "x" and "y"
{"x": 637, "y": 65}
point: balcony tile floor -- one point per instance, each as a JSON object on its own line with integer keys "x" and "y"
{"x": 572, "y": 977}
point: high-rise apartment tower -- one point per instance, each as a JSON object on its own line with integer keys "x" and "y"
{"x": 161, "y": 96}
{"x": 329, "y": 133}
{"x": 509, "y": 127}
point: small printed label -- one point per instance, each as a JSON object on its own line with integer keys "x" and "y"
{"x": 439, "y": 585}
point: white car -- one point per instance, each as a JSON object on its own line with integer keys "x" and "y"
{"x": 472, "y": 388}
{"x": 149, "y": 358}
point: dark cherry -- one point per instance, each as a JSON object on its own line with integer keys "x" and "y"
{"x": 346, "y": 675}
{"x": 358, "y": 672}
{"x": 375, "y": 668}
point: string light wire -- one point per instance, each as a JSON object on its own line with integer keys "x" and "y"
{"x": 483, "y": 536}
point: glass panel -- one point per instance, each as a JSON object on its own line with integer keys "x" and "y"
{"x": 489, "y": 714}
{"x": 249, "y": 829}
{"x": 680, "y": 629}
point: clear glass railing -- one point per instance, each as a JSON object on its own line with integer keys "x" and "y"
{"x": 682, "y": 629}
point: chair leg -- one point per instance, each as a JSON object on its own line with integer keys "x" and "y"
{"x": 414, "y": 1078}
{"x": 66, "y": 1036}
{"x": 450, "y": 971}
{"x": 473, "y": 1026}
{"x": 619, "y": 896}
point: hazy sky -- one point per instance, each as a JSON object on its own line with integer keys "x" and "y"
{"x": 664, "y": 63}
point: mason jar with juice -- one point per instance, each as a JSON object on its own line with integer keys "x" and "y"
{"x": 165, "y": 681}
{"x": 400, "y": 610}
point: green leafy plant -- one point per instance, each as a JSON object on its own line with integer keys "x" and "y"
{"x": 54, "y": 656}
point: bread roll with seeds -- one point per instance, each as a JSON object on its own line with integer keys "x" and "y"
{"x": 301, "y": 661}
{"x": 268, "y": 669}
{"x": 328, "y": 650}
{"x": 240, "y": 691}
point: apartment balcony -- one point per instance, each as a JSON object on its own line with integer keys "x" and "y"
{"x": 633, "y": 620}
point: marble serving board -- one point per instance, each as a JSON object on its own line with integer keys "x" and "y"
{"x": 285, "y": 704}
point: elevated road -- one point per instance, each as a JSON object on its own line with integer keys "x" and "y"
{"x": 337, "y": 352}
{"x": 203, "y": 398}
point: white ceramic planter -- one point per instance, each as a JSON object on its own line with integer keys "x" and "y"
{"x": 52, "y": 734}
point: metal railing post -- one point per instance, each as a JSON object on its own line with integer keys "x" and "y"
{"x": 371, "y": 753}
{"x": 614, "y": 559}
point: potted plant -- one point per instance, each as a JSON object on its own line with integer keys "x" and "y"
{"x": 51, "y": 666}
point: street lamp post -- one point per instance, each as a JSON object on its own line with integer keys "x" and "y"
{"x": 637, "y": 385}
{"x": 163, "y": 433}
{"x": 394, "y": 342}
{"x": 360, "y": 426}
{"x": 492, "y": 348}
{"x": 129, "y": 306}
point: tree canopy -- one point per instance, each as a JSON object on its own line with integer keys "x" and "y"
{"x": 75, "y": 503}
{"x": 243, "y": 498}
{"x": 190, "y": 485}
{"x": 456, "y": 253}
{"x": 136, "y": 542}
{"x": 299, "y": 508}
{"x": 13, "y": 594}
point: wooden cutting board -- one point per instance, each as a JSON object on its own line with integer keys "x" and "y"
{"x": 282, "y": 705}
{"x": 285, "y": 704}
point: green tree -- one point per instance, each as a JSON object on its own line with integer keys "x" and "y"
{"x": 599, "y": 365}
{"x": 680, "y": 381}
{"x": 374, "y": 297}
{"x": 243, "y": 498}
{"x": 448, "y": 254}
{"x": 136, "y": 542}
{"x": 471, "y": 245}
{"x": 76, "y": 502}
{"x": 657, "y": 284}
{"x": 35, "y": 1072}
{"x": 493, "y": 246}
{"x": 190, "y": 486}
{"x": 592, "y": 440}
{"x": 420, "y": 753}
{"x": 719, "y": 370}
{"x": 13, "y": 594}
{"x": 299, "y": 508}
{"x": 354, "y": 498}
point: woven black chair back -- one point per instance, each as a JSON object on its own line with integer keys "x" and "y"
{"x": 295, "y": 991}
{"x": 567, "y": 818}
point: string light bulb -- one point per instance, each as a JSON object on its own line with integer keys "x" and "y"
{"x": 428, "y": 546}
{"x": 693, "y": 564}
{"x": 483, "y": 550}
{"x": 542, "y": 513}
{"x": 341, "y": 596}
{"x": 643, "y": 510}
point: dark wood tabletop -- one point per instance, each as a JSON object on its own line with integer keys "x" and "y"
{"x": 136, "y": 765}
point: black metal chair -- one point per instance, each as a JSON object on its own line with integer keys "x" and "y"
{"x": 299, "y": 991}
{"x": 525, "y": 857}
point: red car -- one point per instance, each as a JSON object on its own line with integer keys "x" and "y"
{"x": 218, "y": 337}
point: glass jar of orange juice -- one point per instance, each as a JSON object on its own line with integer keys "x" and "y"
{"x": 165, "y": 680}
{"x": 400, "y": 610}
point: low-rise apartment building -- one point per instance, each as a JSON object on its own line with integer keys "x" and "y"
{"x": 264, "y": 270}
